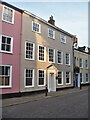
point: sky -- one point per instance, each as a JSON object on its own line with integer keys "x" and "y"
{"x": 71, "y": 16}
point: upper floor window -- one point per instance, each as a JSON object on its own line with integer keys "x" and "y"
{"x": 8, "y": 14}
{"x": 51, "y": 55}
{"x": 29, "y": 50}
{"x": 6, "y": 44}
{"x": 51, "y": 33}
{"x": 60, "y": 78}
{"x": 41, "y": 53}
{"x": 36, "y": 27}
{"x": 81, "y": 62}
{"x": 63, "y": 38}
{"x": 60, "y": 57}
{"x": 67, "y": 59}
{"x": 5, "y": 76}
{"x": 86, "y": 63}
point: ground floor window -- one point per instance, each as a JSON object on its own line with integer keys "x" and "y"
{"x": 86, "y": 77}
{"x": 60, "y": 78}
{"x": 41, "y": 77}
{"x": 29, "y": 77}
{"x": 5, "y": 76}
{"x": 68, "y": 75}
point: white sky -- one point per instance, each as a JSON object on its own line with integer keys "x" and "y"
{"x": 70, "y": 15}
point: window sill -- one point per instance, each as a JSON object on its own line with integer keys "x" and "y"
{"x": 67, "y": 64}
{"x": 36, "y": 32}
{"x": 29, "y": 59}
{"x": 51, "y": 38}
{"x": 41, "y": 60}
{"x": 60, "y": 84}
{"x": 68, "y": 83}
{"x": 12, "y": 23}
{"x": 29, "y": 86}
{"x": 6, "y": 52}
{"x": 41, "y": 85}
{"x": 2, "y": 87}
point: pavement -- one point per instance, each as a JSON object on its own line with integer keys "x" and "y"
{"x": 25, "y": 99}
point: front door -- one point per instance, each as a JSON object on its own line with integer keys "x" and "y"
{"x": 51, "y": 82}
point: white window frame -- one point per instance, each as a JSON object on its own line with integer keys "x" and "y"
{"x": 53, "y": 37}
{"x": 53, "y": 55}
{"x": 86, "y": 77}
{"x": 10, "y": 81}
{"x": 37, "y": 24}
{"x": 11, "y": 44}
{"x": 33, "y": 50}
{"x": 81, "y": 62}
{"x": 63, "y": 38}
{"x": 44, "y": 53}
{"x": 32, "y": 78}
{"x": 69, "y": 77}
{"x": 12, "y": 15}
{"x": 61, "y": 57}
{"x": 38, "y": 77}
{"x": 86, "y": 64}
{"x": 82, "y": 78}
{"x": 62, "y": 78}
{"x": 69, "y": 58}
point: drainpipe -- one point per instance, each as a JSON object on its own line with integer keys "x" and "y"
{"x": 20, "y": 54}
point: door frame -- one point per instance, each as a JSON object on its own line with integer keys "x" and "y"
{"x": 50, "y": 72}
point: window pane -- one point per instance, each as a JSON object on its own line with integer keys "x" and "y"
{"x": 29, "y": 50}
{"x": 29, "y": 77}
{"x": 7, "y": 70}
{"x": 41, "y": 77}
{"x": 67, "y": 77}
{"x": 36, "y": 27}
{"x": 3, "y": 47}
{"x": 6, "y": 80}
{"x": 7, "y": 14}
{"x": 8, "y": 48}
{"x": 41, "y": 53}
{"x": 3, "y": 39}
{"x": 51, "y": 55}
{"x": 3, "y": 81}
{"x": 9, "y": 40}
{"x": 28, "y": 81}
{"x": 41, "y": 81}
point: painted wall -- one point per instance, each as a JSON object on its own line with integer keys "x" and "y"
{"x": 13, "y": 30}
{"x": 83, "y": 70}
{"x": 42, "y": 39}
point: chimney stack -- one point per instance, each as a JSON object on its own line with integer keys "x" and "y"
{"x": 51, "y": 21}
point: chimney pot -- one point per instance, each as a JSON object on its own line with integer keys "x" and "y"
{"x": 51, "y": 20}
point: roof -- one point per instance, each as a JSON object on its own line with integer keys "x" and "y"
{"x": 11, "y": 6}
{"x": 44, "y": 21}
{"x": 79, "y": 50}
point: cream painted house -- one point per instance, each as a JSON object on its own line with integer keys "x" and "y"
{"x": 46, "y": 54}
{"x": 82, "y": 59}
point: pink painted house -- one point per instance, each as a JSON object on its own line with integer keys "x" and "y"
{"x": 10, "y": 48}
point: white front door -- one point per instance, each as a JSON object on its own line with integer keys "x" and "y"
{"x": 51, "y": 82}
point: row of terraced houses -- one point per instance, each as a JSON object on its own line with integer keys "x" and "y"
{"x": 35, "y": 52}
